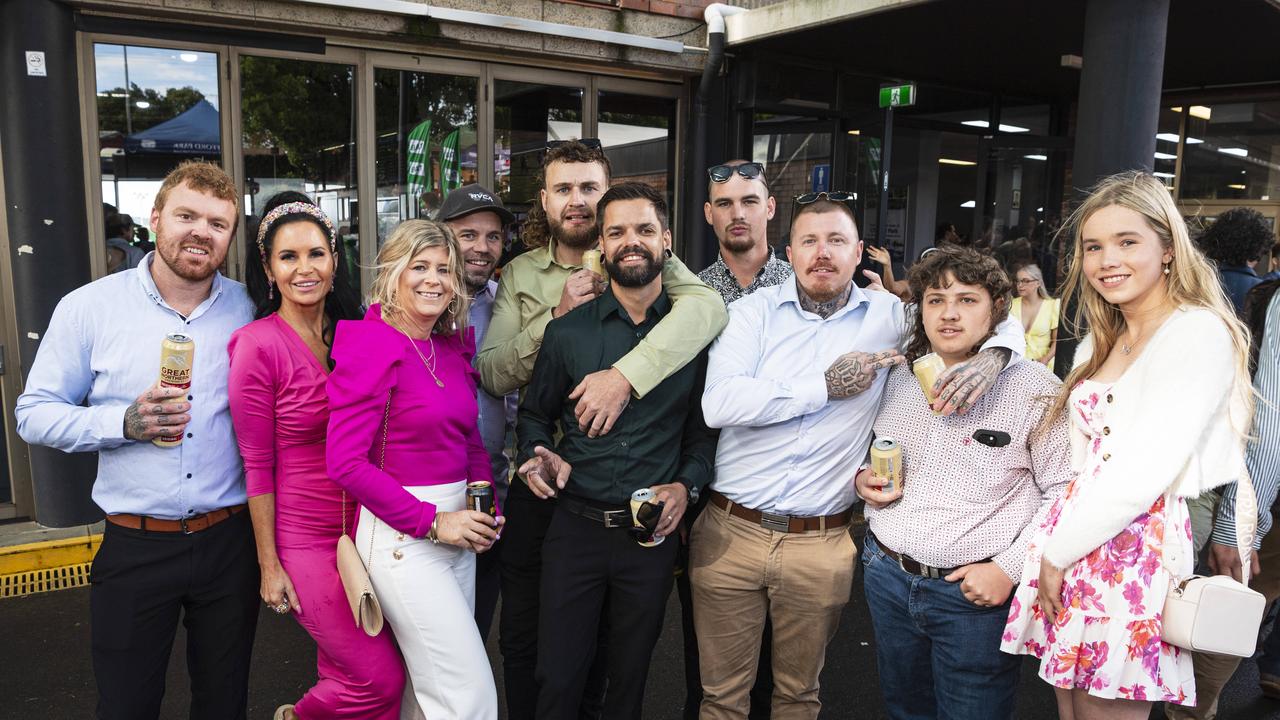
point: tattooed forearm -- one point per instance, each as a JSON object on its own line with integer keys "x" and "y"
{"x": 825, "y": 309}
{"x": 966, "y": 382}
{"x": 854, "y": 372}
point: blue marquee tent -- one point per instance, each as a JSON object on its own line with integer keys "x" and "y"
{"x": 194, "y": 132}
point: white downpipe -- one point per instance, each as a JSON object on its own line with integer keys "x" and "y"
{"x": 715, "y": 14}
{"x": 505, "y": 22}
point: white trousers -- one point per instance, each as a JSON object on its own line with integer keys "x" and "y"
{"x": 427, "y": 593}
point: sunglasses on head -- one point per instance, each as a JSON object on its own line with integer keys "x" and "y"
{"x": 593, "y": 143}
{"x": 833, "y": 196}
{"x": 722, "y": 173}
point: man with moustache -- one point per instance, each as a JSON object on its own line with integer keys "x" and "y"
{"x": 593, "y": 566}
{"x": 795, "y": 403}
{"x": 177, "y": 540}
{"x": 738, "y": 209}
{"x": 479, "y": 222}
{"x": 544, "y": 283}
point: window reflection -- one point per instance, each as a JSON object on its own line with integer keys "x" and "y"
{"x": 298, "y": 127}
{"x": 636, "y": 132}
{"x": 796, "y": 161}
{"x": 426, "y": 129}
{"x": 156, "y": 108}
{"x": 1232, "y": 151}
{"x": 526, "y": 116}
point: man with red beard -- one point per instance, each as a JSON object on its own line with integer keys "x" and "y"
{"x": 594, "y": 568}
{"x": 177, "y": 540}
{"x": 544, "y": 283}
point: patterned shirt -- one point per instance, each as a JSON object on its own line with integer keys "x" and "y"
{"x": 964, "y": 501}
{"x": 721, "y": 279}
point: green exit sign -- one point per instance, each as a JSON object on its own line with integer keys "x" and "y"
{"x": 898, "y": 96}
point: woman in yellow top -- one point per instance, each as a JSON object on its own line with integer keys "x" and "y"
{"x": 1038, "y": 313}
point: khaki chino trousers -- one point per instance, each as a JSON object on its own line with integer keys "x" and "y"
{"x": 740, "y": 571}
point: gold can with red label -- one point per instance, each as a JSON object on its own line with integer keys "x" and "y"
{"x": 886, "y": 462}
{"x": 177, "y": 354}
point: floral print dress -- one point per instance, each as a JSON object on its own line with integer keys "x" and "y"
{"x": 1107, "y": 638}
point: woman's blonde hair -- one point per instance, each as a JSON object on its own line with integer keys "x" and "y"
{"x": 406, "y": 242}
{"x": 1033, "y": 270}
{"x": 1191, "y": 279}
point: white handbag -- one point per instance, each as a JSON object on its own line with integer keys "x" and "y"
{"x": 1217, "y": 614}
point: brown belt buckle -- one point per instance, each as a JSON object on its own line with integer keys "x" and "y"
{"x": 775, "y": 522}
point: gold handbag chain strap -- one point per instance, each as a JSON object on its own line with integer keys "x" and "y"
{"x": 382, "y": 465}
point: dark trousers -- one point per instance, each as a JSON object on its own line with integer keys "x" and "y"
{"x": 593, "y": 576}
{"x": 141, "y": 582}
{"x": 938, "y": 654}
{"x": 762, "y": 689}
{"x": 521, "y": 570}
{"x": 488, "y": 587}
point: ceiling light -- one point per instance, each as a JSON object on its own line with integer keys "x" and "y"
{"x": 976, "y": 123}
{"x": 1036, "y": 157}
{"x": 855, "y": 132}
{"x": 949, "y": 161}
{"x": 968, "y": 204}
{"x": 1202, "y": 112}
{"x": 1238, "y": 152}
{"x": 1039, "y": 209}
{"x": 1163, "y": 175}
{"x": 1165, "y": 156}
{"x": 188, "y": 57}
{"x": 1013, "y": 128}
{"x": 1167, "y": 137}
{"x": 1237, "y": 186}
{"x": 1193, "y": 140}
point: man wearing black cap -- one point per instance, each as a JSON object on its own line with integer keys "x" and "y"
{"x": 479, "y": 221}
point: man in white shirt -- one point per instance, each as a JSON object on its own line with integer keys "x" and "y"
{"x": 796, "y": 402}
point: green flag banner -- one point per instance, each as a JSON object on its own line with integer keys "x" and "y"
{"x": 450, "y": 164}
{"x": 418, "y": 172}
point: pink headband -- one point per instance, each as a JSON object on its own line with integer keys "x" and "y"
{"x": 295, "y": 208}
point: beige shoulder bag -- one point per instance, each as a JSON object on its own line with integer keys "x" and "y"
{"x": 1216, "y": 614}
{"x": 351, "y": 569}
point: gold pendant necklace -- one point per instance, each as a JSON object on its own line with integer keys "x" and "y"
{"x": 428, "y": 365}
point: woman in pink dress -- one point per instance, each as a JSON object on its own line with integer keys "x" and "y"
{"x": 279, "y": 365}
{"x": 1159, "y": 403}
{"x": 404, "y": 440}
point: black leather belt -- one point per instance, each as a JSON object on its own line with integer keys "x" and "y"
{"x": 611, "y": 516}
{"x": 910, "y": 565}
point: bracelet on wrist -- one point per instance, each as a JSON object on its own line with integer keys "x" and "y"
{"x": 431, "y": 534}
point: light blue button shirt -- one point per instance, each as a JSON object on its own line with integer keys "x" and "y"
{"x": 101, "y": 351}
{"x": 784, "y": 447}
{"x": 497, "y": 415}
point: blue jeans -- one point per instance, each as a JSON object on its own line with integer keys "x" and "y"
{"x": 938, "y": 654}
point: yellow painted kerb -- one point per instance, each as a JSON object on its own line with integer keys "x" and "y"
{"x": 48, "y": 554}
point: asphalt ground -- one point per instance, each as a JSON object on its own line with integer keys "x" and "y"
{"x": 45, "y": 670}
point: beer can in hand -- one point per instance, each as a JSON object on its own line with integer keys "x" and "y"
{"x": 927, "y": 369}
{"x": 886, "y": 462}
{"x": 177, "y": 353}
{"x": 593, "y": 260}
{"x": 642, "y": 505}
{"x": 480, "y": 497}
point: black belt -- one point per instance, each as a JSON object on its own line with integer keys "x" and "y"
{"x": 912, "y": 566}
{"x": 611, "y": 516}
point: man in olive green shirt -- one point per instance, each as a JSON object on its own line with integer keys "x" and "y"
{"x": 546, "y": 282}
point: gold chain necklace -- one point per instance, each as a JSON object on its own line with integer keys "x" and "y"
{"x": 430, "y": 366}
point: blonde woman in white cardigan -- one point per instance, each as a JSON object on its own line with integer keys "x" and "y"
{"x": 1159, "y": 403}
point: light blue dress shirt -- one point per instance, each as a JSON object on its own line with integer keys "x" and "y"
{"x": 1263, "y": 457}
{"x": 100, "y": 352}
{"x": 784, "y": 447}
{"x": 497, "y": 415}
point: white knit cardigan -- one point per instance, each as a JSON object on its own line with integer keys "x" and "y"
{"x": 1175, "y": 419}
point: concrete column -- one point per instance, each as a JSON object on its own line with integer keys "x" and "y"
{"x": 45, "y": 211}
{"x": 1119, "y": 104}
